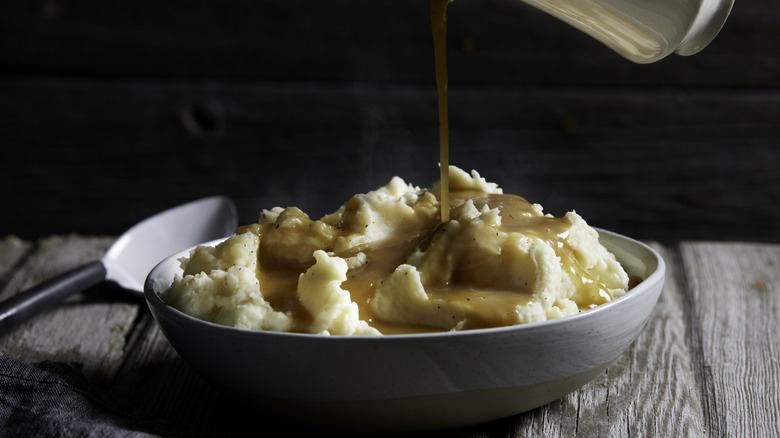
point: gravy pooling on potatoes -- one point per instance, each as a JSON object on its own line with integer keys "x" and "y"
{"x": 385, "y": 263}
{"x": 471, "y": 257}
{"x": 515, "y": 208}
{"x": 491, "y": 302}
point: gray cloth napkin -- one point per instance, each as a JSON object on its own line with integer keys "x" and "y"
{"x": 51, "y": 399}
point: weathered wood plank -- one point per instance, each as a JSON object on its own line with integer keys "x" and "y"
{"x": 492, "y": 42}
{"x": 167, "y": 390}
{"x": 734, "y": 308}
{"x": 150, "y": 105}
{"x": 88, "y": 330}
{"x": 649, "y": 391}
{"x": 657, "y": 393}
{"x": 707, "y": 353}
{"x": 132, "y": 103}
{"x": 654, "y": 165}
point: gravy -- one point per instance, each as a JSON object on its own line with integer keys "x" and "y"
{"x": 490, "y": 305}
{"x": 439, "y": 28}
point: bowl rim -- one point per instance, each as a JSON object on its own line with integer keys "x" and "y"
{"x": 645, "y": 286}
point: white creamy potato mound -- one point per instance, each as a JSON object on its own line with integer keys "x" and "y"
{"x": 383, "y": 263}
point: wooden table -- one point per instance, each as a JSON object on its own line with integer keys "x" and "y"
{"x": 706, "y": 364}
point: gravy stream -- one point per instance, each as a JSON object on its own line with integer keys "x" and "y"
{"x": 490, "y": 305}
{"x": 439, "y": 29}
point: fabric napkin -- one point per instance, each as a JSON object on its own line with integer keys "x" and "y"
{"x": 51, "y": 399}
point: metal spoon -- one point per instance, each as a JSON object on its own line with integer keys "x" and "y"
{"x": 128, "y": 261}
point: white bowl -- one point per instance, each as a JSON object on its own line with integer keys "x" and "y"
{"x": 417, "y": 382}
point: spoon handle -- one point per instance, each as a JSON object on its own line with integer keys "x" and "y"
{"x": 24, "y": 305}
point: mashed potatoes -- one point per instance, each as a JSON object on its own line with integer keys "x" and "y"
{"x": 384, "y": 263}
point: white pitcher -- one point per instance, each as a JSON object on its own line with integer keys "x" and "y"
{"x": 644, "y": 31}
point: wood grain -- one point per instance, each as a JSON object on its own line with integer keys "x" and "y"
{"x": 110, "y": 114}
{"x": 704, "y": 365}
{"x": 493, "y": 43}
{"x": 734, "y": 305}
{"x": 659, "y": 385}
{"x": 633, "y": 162}
{"x": 649, "y": 391}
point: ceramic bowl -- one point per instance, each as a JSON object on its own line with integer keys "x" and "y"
{"x": 417, "y": 382}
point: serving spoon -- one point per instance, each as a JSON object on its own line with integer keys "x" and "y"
{"x": 128, "y": 261}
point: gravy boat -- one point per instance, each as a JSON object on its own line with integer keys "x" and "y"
{"x": 643, "y": 31}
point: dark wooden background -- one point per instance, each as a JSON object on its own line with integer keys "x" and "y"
{"x": 111, "y": 111}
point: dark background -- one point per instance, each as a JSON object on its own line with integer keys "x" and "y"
{"x": 111, "y": 111}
